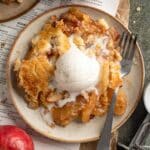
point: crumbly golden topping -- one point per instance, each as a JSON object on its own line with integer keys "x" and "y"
{"x": 94, "y": 38}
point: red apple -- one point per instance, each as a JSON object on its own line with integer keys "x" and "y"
{"x": 14, "y": 138}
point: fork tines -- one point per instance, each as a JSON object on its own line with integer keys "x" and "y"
{"x": 127, "y": 44}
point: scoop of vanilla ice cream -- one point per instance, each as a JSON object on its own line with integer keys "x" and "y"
{"x": 75, "y": 71}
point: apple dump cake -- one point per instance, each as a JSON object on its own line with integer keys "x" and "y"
{"x": 72, "y": 68}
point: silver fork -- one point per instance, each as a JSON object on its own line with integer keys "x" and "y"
{"x": 127, "y": 44}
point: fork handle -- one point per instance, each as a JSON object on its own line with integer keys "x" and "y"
{"x": 104, "y": 141}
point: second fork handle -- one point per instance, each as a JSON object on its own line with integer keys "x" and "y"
{"x": 104, "y": 142}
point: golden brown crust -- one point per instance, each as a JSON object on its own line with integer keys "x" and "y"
{"x": 63, "y": 116}
{"x": 114, "y": 76}
{"x": 121, "y": 103}
{"x": 89, "y": 107}
{"x": 49, "y": 41}
{"x": 35, "y": 71}
{"x": 33, "y": 76}
{"x": 69, "y": 112}
{"x": 75, "y": 21}
{"x": 103, "y": 102}
{"x": 104, "y": 77}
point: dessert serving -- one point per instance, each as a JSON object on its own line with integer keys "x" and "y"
{"x": 72, "y": 69}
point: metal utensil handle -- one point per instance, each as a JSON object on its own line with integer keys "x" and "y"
{"x": 104, "y": 142}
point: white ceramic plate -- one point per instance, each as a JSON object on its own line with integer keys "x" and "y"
{"x": 74, "y": 132}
